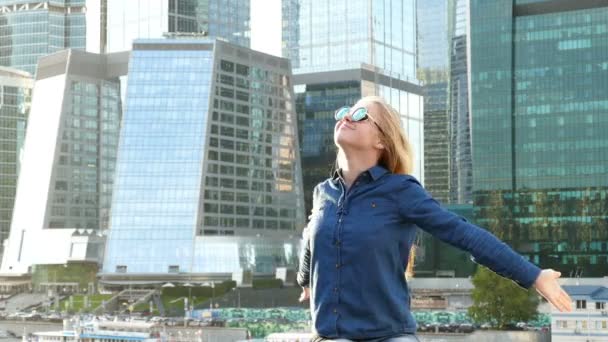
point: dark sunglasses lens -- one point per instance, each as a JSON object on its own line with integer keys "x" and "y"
{"x": 360, "y": 114}
{"x": 341, "y": 113}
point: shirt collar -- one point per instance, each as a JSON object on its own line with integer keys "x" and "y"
{"x": 374, "y": 172}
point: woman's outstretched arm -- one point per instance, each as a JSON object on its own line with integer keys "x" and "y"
{"x": 418, "y": 207}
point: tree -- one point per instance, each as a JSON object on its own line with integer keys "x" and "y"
{"x": 499, "y": 301}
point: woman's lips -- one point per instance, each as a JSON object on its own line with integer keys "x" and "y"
{"x": 344, "y": 124}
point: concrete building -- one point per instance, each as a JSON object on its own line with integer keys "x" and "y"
{"x": 65, "y": 184}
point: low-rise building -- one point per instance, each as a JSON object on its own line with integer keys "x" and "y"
{"x": 588, "y": 320}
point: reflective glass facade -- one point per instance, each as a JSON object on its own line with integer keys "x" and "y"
{"x": 461, "y": 159}
{"x": 342, "y": 35}
{"x": 229, "y": 19}
{"x": 15, "y": 100}
{"x": 208, "y": 175}
{"x": 318, "y": 99}
{"x": 538, "y": 105}
{"x": 133, "y": 19}
{"x": 290, "y": 14}
{"x": 442, "y": 68}
{"x": 82, "y": 188}
{"x": 32, "y": 29}
{"x": 435, "y": 258}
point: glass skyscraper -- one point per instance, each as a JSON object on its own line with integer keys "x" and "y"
{"x": 461, "y": 169}
{"x": 539, "y": 101}
{"x": 208, "y": 176}
{"x": 341, "y": 35}
{"x": 65, "y": 182}
{"x": 290, "y": 27}
{"x": 348, "y": 50}
{"x": 442, "y": 69}
{"x": 133, "y": 19}
{"x": 318, "y": 97}
{"x": 15, "y": 100}
{"x": 32, "y": 29}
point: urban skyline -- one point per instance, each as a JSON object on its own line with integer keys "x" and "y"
{"x": 420, "y": 60}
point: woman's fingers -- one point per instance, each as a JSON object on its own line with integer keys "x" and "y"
{"x": 548, "y": 286}
{"x": 305, "y": 294}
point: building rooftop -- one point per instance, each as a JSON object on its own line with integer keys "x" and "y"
{"x": 591, "y": 291}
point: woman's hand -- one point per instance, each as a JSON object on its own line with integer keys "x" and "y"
{"x": 305, "y": 294}
{"x": 546, "y": 284}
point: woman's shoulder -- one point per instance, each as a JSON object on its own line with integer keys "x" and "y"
{"x": 404, "y": 181}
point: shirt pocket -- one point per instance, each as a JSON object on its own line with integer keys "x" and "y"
{"x": 381, "y": 208}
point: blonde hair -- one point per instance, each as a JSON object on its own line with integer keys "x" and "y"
{"x": 397, "y": 155}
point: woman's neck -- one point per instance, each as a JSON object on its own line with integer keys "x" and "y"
{"x": 353, "y": 166}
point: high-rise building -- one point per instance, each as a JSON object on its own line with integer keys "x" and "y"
{"x": 318, "y": 97}
{"x": 15, "y": 100}
{"x": 341, "y": 35}
{"x": 539, "y": 99}
{"x": 442, "y": 69}
{"x": 461, "y": 168}
{"x": 348, "y": 50}
{"x": 65, "y": 182}
{"x": 208, "y": 176}
{"x": 133, "y": 19}
{"x": 32, "y": 29}
{"x": 290, "y": 28}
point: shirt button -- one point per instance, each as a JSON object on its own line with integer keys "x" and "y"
{"x": 335, "y": 311}
{"x": 337, "y": 265}
{"x": 340, "y": 220}
{"x": 335, "y": 289}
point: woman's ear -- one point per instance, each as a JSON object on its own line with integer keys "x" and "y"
{"x": 379, "y": 145}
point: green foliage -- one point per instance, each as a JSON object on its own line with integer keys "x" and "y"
{"x": 499, "y": 301}
{"x": 267, "y": 283}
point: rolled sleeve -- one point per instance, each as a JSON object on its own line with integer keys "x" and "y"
{"x": 417, "y": 206}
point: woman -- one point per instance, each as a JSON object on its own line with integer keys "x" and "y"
{"x": 361, "y": 230}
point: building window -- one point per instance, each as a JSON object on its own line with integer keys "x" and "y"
{"x": 121, "y": 269}
{"x": 581, "y": 304}
{"x": 173, "y": 268}
{"x": 600, "y": 305}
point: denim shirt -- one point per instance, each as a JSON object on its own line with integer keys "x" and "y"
{"x": 356, "y": 248}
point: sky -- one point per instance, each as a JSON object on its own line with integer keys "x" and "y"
{"x": 266, "y": 26}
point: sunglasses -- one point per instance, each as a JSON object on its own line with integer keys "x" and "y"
{"x": 359, "y": 114}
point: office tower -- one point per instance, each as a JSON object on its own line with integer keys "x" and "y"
{"x": 342, "y": 35}
{"x": 65, "y": 182}
{"x": 133, "y": 19}
{"x": 320, "y": 94}
{"x": 442, "y": 69}
{"x": 15, "y": 100}
{"x": 348, "y": 50}
{"x": 208, "y": 177}
{"x": 538, "y": 104}
{"x": 30, "y": 30}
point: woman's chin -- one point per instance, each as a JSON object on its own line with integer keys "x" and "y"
{"x": 343, "y": 141}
